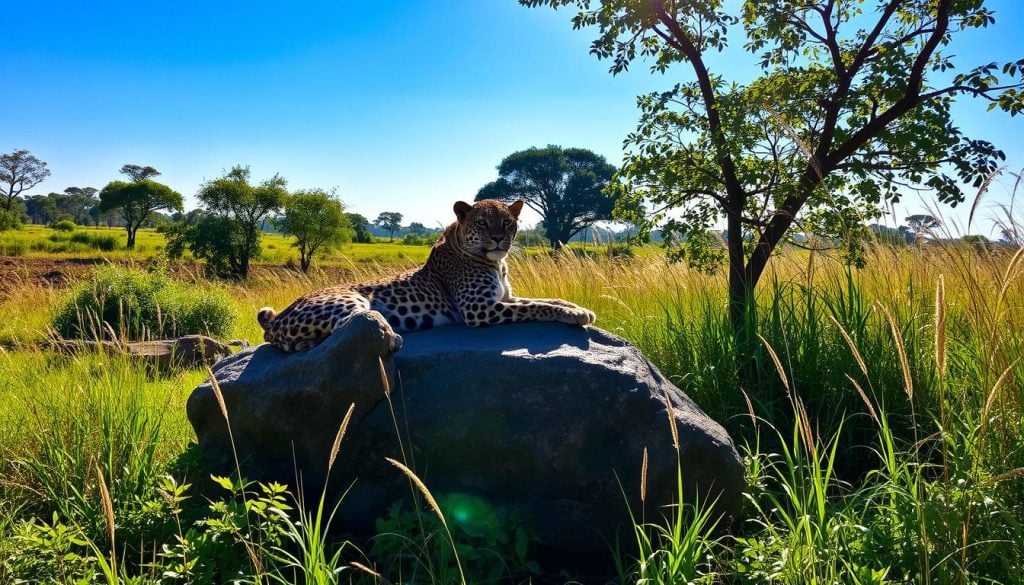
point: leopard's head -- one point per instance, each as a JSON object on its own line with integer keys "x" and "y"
{"x": 488, "y": 227}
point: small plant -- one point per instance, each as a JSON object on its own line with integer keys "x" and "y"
{"x": 492, "y": 542}
{"x": 141, "y": 305}
{"x": 47, "y": 552}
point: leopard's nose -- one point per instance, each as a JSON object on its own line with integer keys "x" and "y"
{"x": 498, "y": 238}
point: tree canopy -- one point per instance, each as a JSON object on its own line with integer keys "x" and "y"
{"x": 361, "y": 227}
{"x": 136, "y": 201}
{"x": 566, "y": 186}
{"x": 227, "y": 233}
{"x": 922, "y": 224}
{"x": 19, "y": 172}
{"x": 850, "y": 108}
{"x": 318, "y": 222}
{"x": 139, "y": 172}
{"x": 77, "y": 202}
{"x": 389, "y": 221}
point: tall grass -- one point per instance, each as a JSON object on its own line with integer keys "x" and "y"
{"x": 881, "y": 433}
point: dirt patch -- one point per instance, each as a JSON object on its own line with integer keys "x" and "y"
{"x": 18, "y": 272}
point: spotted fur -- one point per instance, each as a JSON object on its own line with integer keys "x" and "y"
{"x": 465, "y": 280}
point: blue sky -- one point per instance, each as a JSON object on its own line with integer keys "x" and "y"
{"x": 402, "y": 106}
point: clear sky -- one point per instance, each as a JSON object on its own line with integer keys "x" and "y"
{"x": 402, "y": 106}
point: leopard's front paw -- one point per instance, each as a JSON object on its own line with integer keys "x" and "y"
{"x": 577, "y": 316}
{"x": 395, "y": 343}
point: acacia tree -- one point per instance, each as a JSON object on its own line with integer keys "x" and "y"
{"x": 318, "y": 222}
{"x": 19, "y": 172}
{"x": 851, "y": 105}
{"x": 566, "y": 186}
{"x": 922, "y": 223}
{"x": 136, "y": 201}
{"x": 139, "y": 172}
{"x": 389, "y": 221}
{"x": 77, "y": 201}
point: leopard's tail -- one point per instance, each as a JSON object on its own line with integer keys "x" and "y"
{"x": 265, "y": 315}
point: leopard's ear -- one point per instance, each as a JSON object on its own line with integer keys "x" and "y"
{"x": 461, "y": 209}
{"x": 515, "y": 208}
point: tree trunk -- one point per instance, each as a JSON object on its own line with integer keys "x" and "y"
{"x": 131, "y": 236}
{"x": 742, "y": 305}
{"x": 557, "y": 235}
{"x": 740, "y": 291}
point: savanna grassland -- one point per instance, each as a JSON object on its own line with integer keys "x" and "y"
{"x": 881, "y": 428}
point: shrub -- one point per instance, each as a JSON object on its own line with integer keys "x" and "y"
{"x": 9, "y": 221}
{"x": 104, "y": 242}
{"x": 64, "y": 225}
{"x": 417, "y": 240}
{"x": 15, "y": 248}
{"x": 141, "y": 305}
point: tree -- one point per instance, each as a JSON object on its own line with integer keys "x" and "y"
{"x": 227, "y": 234}
{"x": 318, "y": 222}
{"x": 920, "y": 224}
{"x": 135, "y": 202}
{"x": 139, "y": 173}
{"x": 979, "y": 243}
{"x": 19, "y": 172}
{"x": 417, "y": 228}
{"x": 361, "y": 227}
{"x": 77, "y": 201}
{"x": 1011, "y": 235}
{"x": 41, "y": 209}
{"x": 851, "y": 105}
{"x": 567, "y": 187}
{"x": 389, "y": 221}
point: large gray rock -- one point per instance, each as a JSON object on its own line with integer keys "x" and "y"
{"x": 549, "y": 418}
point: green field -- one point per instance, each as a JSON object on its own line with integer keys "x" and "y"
{"x": 45, "y": 242}
{"x": 883, "y": 446}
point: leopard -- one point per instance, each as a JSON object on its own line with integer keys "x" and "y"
{"x": 465, "y": 279}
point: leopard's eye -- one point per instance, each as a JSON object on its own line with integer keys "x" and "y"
{"x": 507, "y": 223}
{"x": 480, "y": 221}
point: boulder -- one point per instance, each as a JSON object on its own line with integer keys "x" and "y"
{"x": 189, "y": 351}
{"x": 550, "y": 419}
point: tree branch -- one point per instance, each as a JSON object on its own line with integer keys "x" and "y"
{"x": 911, "y": 98}
{"x": 685, "y": 45}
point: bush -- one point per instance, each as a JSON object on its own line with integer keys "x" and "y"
{"x": 143, "y": 305}
{"x": 64, "y": 225}
{"x": 9, "y": 221}
{"x": 104, "y": 242}
{"x": 417, "y": 240}
{"x": 15, "y": 248}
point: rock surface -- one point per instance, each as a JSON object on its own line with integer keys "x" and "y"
{"x": 189, "y": 351}
{"x": 541, "y": 416}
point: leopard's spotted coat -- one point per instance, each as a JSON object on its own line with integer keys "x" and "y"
{"x": 465, "y": 280}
